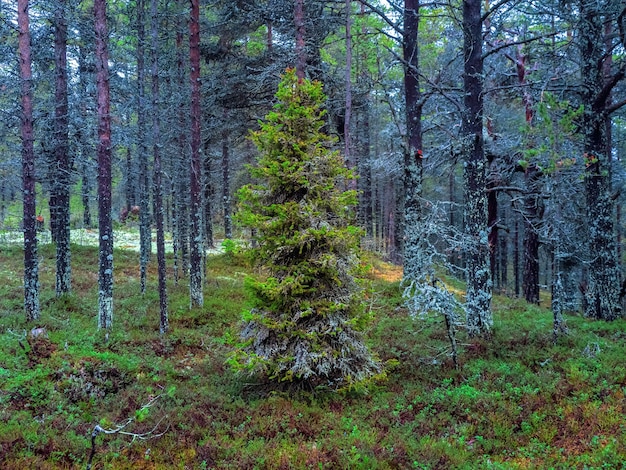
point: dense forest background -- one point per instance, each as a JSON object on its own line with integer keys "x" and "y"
{"x": 469, "y": 153}
{"x": 491, "y": 134}
{"x": 501, "y": 121}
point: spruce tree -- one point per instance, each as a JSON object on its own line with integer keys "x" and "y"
{"x": 305, "y": 327}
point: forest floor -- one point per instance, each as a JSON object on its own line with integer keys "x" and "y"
{"x": 516, "y": 401}
{"x": 127, "y": 239}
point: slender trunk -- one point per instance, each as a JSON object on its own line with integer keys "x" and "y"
{"x": 348, "y": 80}
{"x": 365, "y": 168}
{"x": 504, "y": 256}
{"x": 197, "y": 246}
{"x": 363, "y": 136}
{"x": 478, "y": 298}
{"x": 516, "y": 269}
{"x": 181, "y": 199}
{"x": 85, "y": 194}
{"x": 31, "y": 262}
{"x": 492, "y": 223}
{"x": 85, "y": 134}
{"x": 533, "y": 214}
{"x": 61, "y": 184}
{"x": 209, "y": 197}
{"x": 558, "y": 302}
{"x": 158, "y": 186}
{"x": 270, "y": 36}
{"x": 130, "y": 183}
{"x": 453, "y": 256}
{"x": 298, "y": 16}
{"x": 228, "y": 226}
{"x": 105, "y": 274}
{"x": 145, "y": 229}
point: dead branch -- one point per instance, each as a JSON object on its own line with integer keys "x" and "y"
{"x": 119, "y": 429}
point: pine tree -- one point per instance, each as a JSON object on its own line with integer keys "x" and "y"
{"x": 305, "y": 325}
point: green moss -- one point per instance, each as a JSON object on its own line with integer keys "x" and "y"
{"x": 517, "y": 400}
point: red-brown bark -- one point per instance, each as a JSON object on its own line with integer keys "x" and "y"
{"x": 195, "y": 274}
{"x": 105, "y": 274}
{"x": 298, "y": 16}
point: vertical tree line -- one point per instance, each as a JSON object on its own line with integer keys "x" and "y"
{"x": 412, "y": 88}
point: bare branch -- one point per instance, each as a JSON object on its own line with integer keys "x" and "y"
{"x": 615, "y": 106}
{"x": 495, "y": 8}
{"x": 517, "y": 43}
{"x": 119, "y": 429}
{"x": 603, "y": 96}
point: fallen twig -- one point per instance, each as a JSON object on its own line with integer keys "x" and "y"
{"x": 120, "y": 430}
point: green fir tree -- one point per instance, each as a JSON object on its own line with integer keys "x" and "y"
{"x": 305, "y": 327}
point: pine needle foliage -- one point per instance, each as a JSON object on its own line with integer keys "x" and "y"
{"x": 305, "y": 325}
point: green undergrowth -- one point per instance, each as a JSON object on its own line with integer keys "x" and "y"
{"x": 517, "y": 401}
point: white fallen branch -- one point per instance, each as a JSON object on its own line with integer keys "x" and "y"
{"x": 119, "y": 429}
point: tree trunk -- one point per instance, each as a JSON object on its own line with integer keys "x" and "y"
{"x": 533, "y": 215}
{"x": 85, "y": 194}
{"x": 181, "y": 198}
{"x": 412, "y": 252}
{"x": 85, "y": 70}
{"x": 63, "y": 166}
{"x": 365, "y": 167}
{"x": 105, "y": 274}
{"x": 130, "y": 183}
{"x": 602, "y": 294}
{"x": 158, "y": 186}
{"x": 478, "y": 298}
{"x": 228, "y": 226}
{"x": 492, "y": 221}
{"x": 298, "y": 16}
{"x": 504, "y": 255}
{"x": 145, "y": 221}
{"x": 197, "y": 245}
{"x": 348, "y": 80}
{"x": 516, "y": 269}
{"x": 31, "y": 261}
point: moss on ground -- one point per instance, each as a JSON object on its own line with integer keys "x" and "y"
{"x": 516, "y": 401}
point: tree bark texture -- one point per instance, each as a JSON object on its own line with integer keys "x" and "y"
{"x": 347, "y": 137}
{"x": 602, "y": 294}
{"x": 181, "y": 183}
{"x": 197, "y": 245}
{"x": 479, "y": 284}
{"x": 209, "y": 196}
{"x": 63, "y": 165}
{"x": 364, "y": 182}
{"x": 228, "y": 225}
{"x": 158, "y": 173}
{"x": 31, "y": 262}
{"x": 409, "y": 239}
{"x": 105, "y": 226}
{"x": 85, "y": 70}
{"x": 533, "y": 215}
{"x": 298, "y": 16}
{"x": 145, "y": 221}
